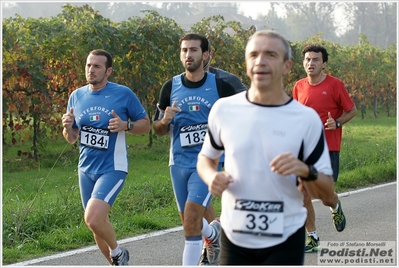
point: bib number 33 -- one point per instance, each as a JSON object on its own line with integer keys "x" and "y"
{"x": 263, "y": 218}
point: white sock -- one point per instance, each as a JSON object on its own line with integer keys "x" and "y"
{"x": 192, "y": 251}
{"x": 336, "y": 208}
{"x": 207, "y": 230}
{"x": 314, "y": 234}
{"x": 116, "y": 251}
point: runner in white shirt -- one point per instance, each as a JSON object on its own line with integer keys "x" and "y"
{"x": 273, "y": 147}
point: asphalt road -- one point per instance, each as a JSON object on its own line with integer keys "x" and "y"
{"x": 371, "y": 215}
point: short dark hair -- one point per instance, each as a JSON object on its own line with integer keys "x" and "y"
{"x": 102, "y": 52}
{"x": 193, "y": 36}
{"x": 317, "y": 49}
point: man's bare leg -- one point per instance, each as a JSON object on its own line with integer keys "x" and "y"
{"x": 210, "y": 213}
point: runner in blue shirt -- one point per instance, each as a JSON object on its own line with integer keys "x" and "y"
{"x": 98, "y": 116}
{"x": 184, "y": 105}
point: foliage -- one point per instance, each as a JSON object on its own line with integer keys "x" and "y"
{"x": 150, "y": 56}
{"x": 43, "y": 62}
{"x": 228, "y": 40}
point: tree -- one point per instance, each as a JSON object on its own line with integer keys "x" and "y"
{"x": 274, "y": 22}
{"x": 228, "y": 40}
{"x": 377, "y": 21}
{"x": 176, "y": 9}
{"x": 31, "y": 9}
{"x": 306, "y": 19}
{"x": 149, "y": 55}
{"x": 28, "y": 61}
{"x": 121, "y": 11}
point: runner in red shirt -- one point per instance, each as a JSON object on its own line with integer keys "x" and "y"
{"x": 327, "y": 95}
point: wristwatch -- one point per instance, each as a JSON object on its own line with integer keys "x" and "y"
{"x": 130, "y": 125}
{"x": 312, "y": 174}
{"x": 337, "y": 124}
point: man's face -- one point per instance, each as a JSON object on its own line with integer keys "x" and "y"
{"x": 313, "y": 63}
{"x": 264, "y": 57}
{"x": 96, "y": 70}
{"x": 191, "y": 55}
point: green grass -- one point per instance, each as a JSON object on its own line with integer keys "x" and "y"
{"x": 42, "y": 212}
{"x": 368, "y": 152}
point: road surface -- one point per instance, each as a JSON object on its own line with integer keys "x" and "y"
{"x": 371, "y": 215}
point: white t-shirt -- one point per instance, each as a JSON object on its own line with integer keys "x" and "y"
{"x": 261, "y": 208}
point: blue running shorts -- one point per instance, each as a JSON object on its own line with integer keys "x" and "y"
{"x": 101, "y": 186}
{"x": 188, "y": 186}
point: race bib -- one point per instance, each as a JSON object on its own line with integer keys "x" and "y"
{"x": 263, "y": 218}
{"x": 94, "y": 137}
{"x": 193, "y": 135}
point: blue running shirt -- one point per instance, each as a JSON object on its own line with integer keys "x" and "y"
{"x": 100, "y": 150}
{"x": 188, "y": 127}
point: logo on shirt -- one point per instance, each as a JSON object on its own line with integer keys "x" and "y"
{"x": 193, "y": 108}
{"x": 252, "y": 205}
{"x": 208, "y": 88}
{"x": 94, "y": 118}
{"x": 324, "y": 93}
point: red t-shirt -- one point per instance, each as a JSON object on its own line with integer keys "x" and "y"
{"x": 328, "y": 96}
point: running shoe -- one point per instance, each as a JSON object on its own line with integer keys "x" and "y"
{"x": 338, "y": 218}
{"x": 311, "y": 244}
{"x": 204, "y": 259}
{"x": 213, "y": 247}
{"x": 122, "y": 259}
